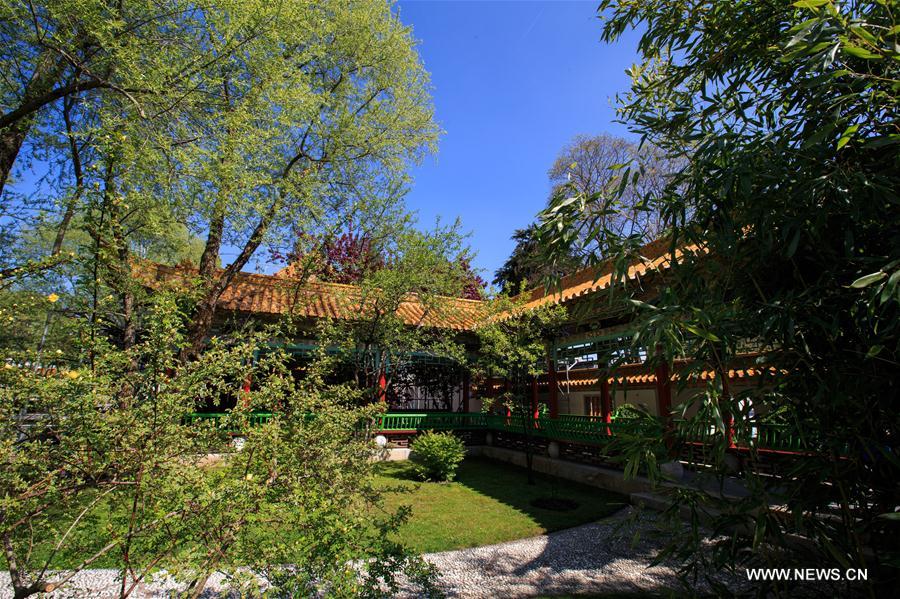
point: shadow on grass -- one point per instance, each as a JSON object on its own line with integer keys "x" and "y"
{"x": 488, "y": 502}
{"x": 401, "y": 470}
{"x": 509, "y": 484}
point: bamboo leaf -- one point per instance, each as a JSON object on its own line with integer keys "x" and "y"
{"x": 868, "y": 280}
{"x": 859, "y": 52}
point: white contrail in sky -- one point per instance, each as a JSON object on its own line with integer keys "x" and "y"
{"x": 533, "y": 23}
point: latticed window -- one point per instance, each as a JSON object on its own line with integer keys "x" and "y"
{"x": 601, "y": 352}
{"x": 751, "y": 346}
{"x": 426, "y": 383}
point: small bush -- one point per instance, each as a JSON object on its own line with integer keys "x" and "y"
{"x": 436, "y": 456}
{"x": 628, "y": 412}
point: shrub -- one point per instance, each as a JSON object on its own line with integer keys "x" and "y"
{"x": 436, "y": 456}
{"x": 628, "y": 411}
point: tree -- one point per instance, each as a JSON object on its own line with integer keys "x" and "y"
{"x": 592, "y": 167}
{"x": 513, "y": 345}
{"x": 529, "y": 265}
{"x": 347, "y": 259}
{"x": 256, "y": 120}
{"x": 396, "y": 309}
{"x": 109, "y": 468}
{"x": 320, "y": 123}
{"x": 68, "y": 62}
{"x": 229, "y": 122}
{"x": 790, "y": 198}
{"x": 474, "y": 285}
{"x": 352, "y": 256}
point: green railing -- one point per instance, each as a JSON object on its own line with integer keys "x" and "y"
{"x": 580, "y": 429}
{"x": 776, "y": 437}
{"x": 437, "y": 421}
{"x": 769, "y": 436}
{"x": 255, "y": 418}
{"x": 576, "y": 429}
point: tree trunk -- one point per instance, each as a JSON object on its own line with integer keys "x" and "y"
{"x": 206, "y": 307}
{"x": 11, "y": 140}
{"x": 216, "y": 284}
{"x": 527, "y": 423}
{"x": 75, "y": 153}
{"x": 200, "y": 326}
{"x": 47, "y": 71}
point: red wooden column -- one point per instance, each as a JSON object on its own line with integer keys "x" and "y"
{"x": 534, "y": 397}
{"x": 466, "y": 384}
{"x": 553, "y": 387}
{"x": 663, "y": 388}
{"x": 382, "y": 388}
{"x": 605, "y": 400}
{"x": 727, "y": 415}
{"x": 245, "y": 390}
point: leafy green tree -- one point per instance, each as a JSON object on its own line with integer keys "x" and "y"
{"x": 255, "y": 120}
{"x": 528, "y": 265}
{"x": 397, "y": 309}
{"x": 68, "y": 62}
{"x": 513, "y": 345}
{"x": 334, "y": 98}
{"x": 790, "y": 199}
{"x": 106, "y": 467}
{"x": 158, "y": 125}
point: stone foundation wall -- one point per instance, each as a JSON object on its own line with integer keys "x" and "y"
{"x": 401, "y": 440}
{"x": 573, "y": 452}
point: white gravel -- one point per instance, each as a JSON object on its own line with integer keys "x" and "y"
{"x": 595, "y": 558}
{"x": 105, "y": 584}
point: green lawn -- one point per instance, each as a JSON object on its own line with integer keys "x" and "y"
{"x": 489, "y": 502}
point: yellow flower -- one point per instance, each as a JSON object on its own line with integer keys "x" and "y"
{"x": 52, "y": 298}
{"x": 73, "y": 374}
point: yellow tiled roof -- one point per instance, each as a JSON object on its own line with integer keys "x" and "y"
{"x": 276, "y": 295}
{"x": 653, "y": 257}
{"x": 281, "y": 293}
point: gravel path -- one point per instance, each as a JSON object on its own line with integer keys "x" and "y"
{"x": 105, "y": 584}
{"x": 594, "y": 558}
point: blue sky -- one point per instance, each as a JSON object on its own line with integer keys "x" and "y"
{"x": 513, "y": 83}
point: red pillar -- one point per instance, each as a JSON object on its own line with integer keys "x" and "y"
{"x": 553, "y": 387}
{"x": 663, "y": 389}
{"x": 382, "y": 388}
{"x": 245, "y": 390}
{"x": 465, "y": 391}
{"x": 534, "y": 397}
{"x": 727, "y": 415}
{"x": 605, "y": 400}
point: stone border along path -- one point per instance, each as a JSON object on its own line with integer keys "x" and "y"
{"x": 594, "y": 558}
